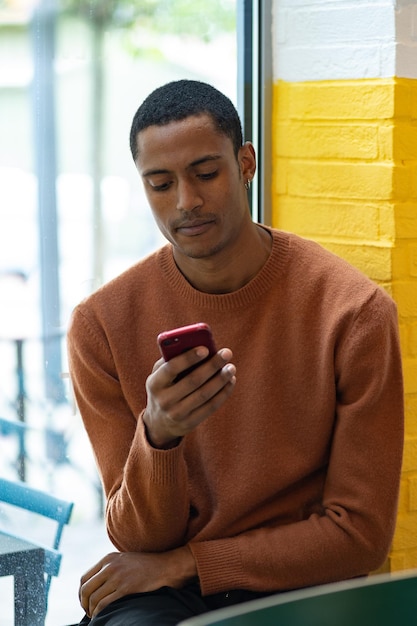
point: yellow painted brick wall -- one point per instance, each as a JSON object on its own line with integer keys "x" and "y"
{"x": 345, "y": 175}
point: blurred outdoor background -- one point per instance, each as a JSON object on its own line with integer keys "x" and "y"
{"x": 73, "y": 215}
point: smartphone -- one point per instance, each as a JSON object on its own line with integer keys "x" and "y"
{"x": 174, "y": 342}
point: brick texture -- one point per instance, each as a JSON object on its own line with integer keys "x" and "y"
{"x": 345, "y": 174}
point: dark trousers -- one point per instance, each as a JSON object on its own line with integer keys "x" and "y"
{"x": 165, "y": 607}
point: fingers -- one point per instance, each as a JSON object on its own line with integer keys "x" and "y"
{"x": 91, "y": 591}
{"x": 158, "y": 364}
{"x": 92, "y": 585}
{"x": 168, "y": 372}
{"x": 202, "y": 403}
{"x": 172, "y": 369}
{"x": 96, "y": 568}
{"x": 122, "y": 573}
{"x": 98, "y": 599}
{"x": 99, "y": 604}
{"x": 176, "y": 408}
{"x": 180, "y": 365}
{"x": 206, "y": 387}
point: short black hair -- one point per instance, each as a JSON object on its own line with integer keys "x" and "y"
{"x": 179, "y": 99}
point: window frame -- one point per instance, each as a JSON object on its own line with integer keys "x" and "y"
{"x": 254, "y": 95}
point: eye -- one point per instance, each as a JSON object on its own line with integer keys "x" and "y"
{"x": 208, "y": 175}
{"x": 161, "y": 186}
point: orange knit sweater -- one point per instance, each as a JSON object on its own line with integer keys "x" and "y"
{"x": 294, "y": 481}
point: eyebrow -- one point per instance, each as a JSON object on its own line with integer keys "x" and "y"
{"x": 199, "y": 161}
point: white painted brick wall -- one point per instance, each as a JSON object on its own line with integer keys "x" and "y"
{"x": 344, "y": 39}
{"x": 406, "y": 35}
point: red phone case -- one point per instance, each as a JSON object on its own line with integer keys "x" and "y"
{"x": 174, "y": 342}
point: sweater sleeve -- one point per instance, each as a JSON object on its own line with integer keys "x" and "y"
{"x": 147, "y": 501}
{"x": 351, "y": 533}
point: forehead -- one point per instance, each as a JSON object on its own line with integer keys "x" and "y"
{"x": 181, "y": 142}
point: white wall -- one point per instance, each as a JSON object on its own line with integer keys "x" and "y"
{"x": 344, "y": 39}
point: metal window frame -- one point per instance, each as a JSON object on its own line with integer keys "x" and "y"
{"x": 254, "y": 95}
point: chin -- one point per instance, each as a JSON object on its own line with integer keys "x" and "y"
{"x": 203, "y": 252}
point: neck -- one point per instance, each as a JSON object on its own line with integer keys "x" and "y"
{"x": 230, "y": 269}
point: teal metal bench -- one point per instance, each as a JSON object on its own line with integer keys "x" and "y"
{"x": 383, "y": 600}
{"x": 20, "y": 495}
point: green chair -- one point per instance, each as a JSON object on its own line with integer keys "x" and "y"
{"x": 383, "y": 600}
{"x": 20, "y": 495}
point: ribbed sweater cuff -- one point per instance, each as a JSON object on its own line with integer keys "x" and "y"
{"x": 162, "y": 464}
{"x": 219, "y": 566}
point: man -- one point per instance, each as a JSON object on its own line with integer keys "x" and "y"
{"x": 275, "y": 464}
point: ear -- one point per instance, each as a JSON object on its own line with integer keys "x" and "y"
{"x": 247, "y": 161}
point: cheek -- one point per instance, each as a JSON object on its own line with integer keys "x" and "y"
{"x": 162, "y": 216}
{"x": 158, "y": 218}
{"x": 159, "y": 205}
{"x": 233, "y": 203}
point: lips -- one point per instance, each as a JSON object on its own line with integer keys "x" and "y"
{"x": 194, "y": 227}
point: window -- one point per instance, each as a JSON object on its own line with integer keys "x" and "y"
{"x": 73, "y": 214}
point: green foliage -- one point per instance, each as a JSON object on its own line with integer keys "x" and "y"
{"x": 193, "y": 17}
{"x": 105, "y": 13}
{"x": 200, "y": 18}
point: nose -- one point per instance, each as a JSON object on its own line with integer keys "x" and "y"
{"x": 188, "y": 197}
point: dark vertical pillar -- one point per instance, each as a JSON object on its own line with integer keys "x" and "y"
{"x": 244, "y": 21}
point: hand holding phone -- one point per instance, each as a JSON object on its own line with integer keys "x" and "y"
{"x": 177, "y": 341}
{"x": 173, "y": 411}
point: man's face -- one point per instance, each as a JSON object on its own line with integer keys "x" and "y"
{"x": 195, "y": 184}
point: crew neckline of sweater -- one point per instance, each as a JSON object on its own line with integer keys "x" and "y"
{"x": 250, "y": 292}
